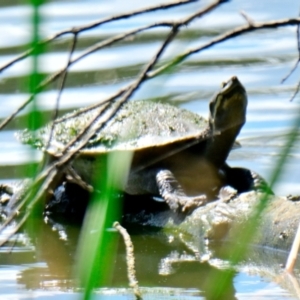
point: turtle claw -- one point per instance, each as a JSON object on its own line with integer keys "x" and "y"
{"x": 185, "y": 204}
{"x": 172, "y": 192}
{"x": 227, "y": 193}
{"x": 193, "y": 202}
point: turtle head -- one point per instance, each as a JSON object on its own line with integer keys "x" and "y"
{"x": 228, "y": 107}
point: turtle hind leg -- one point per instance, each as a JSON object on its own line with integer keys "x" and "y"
{"x": 244, "y": 180}
{"x": 172, "y": 192}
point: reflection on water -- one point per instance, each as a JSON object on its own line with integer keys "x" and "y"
{"x": 164, "y": 261}
{"x": 260, "y": 59}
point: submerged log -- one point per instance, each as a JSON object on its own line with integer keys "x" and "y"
{"x": 218, "y": 220}
{"x": 276, "y": 227}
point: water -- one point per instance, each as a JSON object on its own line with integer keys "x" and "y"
{"x": 260, "y": 59}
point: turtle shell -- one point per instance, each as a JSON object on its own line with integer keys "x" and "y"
{"x": 136, "y": 126}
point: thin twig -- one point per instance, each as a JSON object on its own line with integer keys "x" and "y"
{"x": 88, "y": 51}
{"x": 247, "y": 18}
{"x": 72, "y": 176}
{"x": 200, "y": 13}
{"x": 230, "y": 34}
{"x": 118, "y": 38}
{"x": 41, "y": 184}
{"x": 78, "y": 112}
{"x": 143, "y": 75}
{"x": 104, "y": 44}
{"x": 125, "y": 97}
{"x": 129, "y": 260}
{"x": 85, "y": 134}
{"x": 295, "y": 92}
{"x": 86, "y": 27}
{"x": 18, "y": 227}
{"x": 20, "y": 108}
{"x": 62, "y": 85}
{"x": 298, "y": 60}
{"x": 223, "y": 37}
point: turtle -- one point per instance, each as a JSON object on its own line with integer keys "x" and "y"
{"x": 177, "y": 155}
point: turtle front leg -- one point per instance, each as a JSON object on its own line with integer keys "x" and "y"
{"x": 172, "y": 192}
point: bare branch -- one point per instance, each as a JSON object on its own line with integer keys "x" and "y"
{"x": 297, "y": 62}
{"x": 90, "y": 50}
{"x": 75, "y": 30}
{"x": 19, "y": 109}
{"x": 176, "y": 26}
{"x": 107, "y": 43}
{"x": 201, "y": 12}
{"x": 63, "y": 81}
{"x": 295, "y": 92}
{"x": 223, "y": 37}
{"x": 85, "y": 134}
{"x": 247, "y": 18}
{"x": 129, "y": 260}
{"x": 115, "y": 39}
{"x": 78, "y": 112}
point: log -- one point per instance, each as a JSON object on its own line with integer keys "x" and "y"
{"x": 218, "y": 220}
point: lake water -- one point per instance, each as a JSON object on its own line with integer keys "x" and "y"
{"x": 260, "y": 59}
